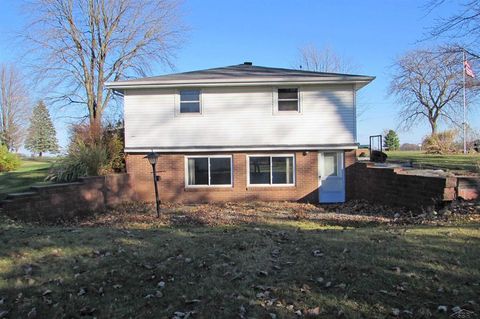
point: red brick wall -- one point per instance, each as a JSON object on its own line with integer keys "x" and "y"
{"x": 392, "y": 187}
{"x": 171, "y": 169}
{"x": 55, "y": 201}
{"x": 350, "y": 160}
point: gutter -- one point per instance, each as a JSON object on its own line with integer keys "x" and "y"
{"x": 246, "y": 148}
{"x": 152, "y": 84}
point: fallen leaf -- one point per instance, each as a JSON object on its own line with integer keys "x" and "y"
{"x": 442, "y": 308}
{"x": 456, "y": 309}
{"x": 32, "y": 313}
{"x": 313, "y": 312}
{"x": 81, "y": 292}
{"x": 46, "y": 292}
{"x": 395, "y": 312}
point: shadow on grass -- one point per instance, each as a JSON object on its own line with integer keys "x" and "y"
{"x": 236, "y": 271}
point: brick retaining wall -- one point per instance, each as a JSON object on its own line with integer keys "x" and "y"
{"x": 66, "y": 200}
{"x": 393, "y": 187}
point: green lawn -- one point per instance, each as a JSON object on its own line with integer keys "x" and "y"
{"x": 469, "y": 162}
{"x": 31, "y": 172}
{"x": 282, "y": 266}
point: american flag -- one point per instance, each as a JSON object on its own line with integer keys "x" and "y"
{"x": 468, "y": 69}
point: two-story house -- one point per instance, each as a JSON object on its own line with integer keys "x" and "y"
{"x": 242, "y": 132}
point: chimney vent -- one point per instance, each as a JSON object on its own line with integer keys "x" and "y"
{"x": 247, "y": 63}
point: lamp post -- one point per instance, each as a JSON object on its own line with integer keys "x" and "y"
{"x": 152, "y": 158}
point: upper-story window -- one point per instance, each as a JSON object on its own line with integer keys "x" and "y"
{"x": 190, "y": 101}
{"x": 288, "y": 99}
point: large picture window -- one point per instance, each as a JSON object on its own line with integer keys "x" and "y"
{"x": 271, "y": 170}
{"x": 209, "y": 171}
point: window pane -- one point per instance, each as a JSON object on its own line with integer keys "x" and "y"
{"x": 189, "y": 96}
{"x": 330, "y": 164}
{"x": 220, "y": 173}
{"x": 282, "y": 170}
{"x": 191, "y": 107}
{"x": 198, "y": 171}
{"x": 288, "y": 105}
{"x": 259, "y": 170}
{"x": 287, "y": 94}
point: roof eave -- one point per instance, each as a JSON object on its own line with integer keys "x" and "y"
{"x": 359, "y": 82}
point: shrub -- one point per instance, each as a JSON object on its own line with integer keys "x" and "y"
{"x": 8, "y": 161}
{"x": 440, "y": 143}
{"x": 90, "y": 154}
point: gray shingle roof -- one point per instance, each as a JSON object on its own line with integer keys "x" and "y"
{"x": 240, "y": 74}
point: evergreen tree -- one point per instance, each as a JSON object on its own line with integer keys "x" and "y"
{"x": 392, "y": 142}
{"x": 42, "y": 136}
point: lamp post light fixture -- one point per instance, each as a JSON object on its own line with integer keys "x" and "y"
{"x": 152, "y": 158}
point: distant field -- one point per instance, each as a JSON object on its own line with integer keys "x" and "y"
{"x": 32, "y": 172}
{"x": 469, "y": 162}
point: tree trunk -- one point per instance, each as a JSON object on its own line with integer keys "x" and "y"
{"x": 40, "y": 154}
{"x": 433, "y": 126}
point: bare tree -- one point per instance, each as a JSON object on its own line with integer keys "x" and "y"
{"x": 14, "y": 107}
{"x": 311, "y": 58}
{"x": 81, "y": 44}
{"x": 428, "y": 86}
{"x": 463, "y": 25}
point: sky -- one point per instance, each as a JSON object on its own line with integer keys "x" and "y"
{"x": 369, "y": 33}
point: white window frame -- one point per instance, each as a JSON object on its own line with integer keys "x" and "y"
{"x": 209, "y": 177}
{"x": 276, "y": 111}
{"x": 271, "y": 171}
{"x": 178, "y": 100}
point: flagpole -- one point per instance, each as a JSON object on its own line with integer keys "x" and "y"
{"x": 464, "y": 108}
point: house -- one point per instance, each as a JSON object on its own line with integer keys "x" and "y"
{"x": 242, "y": 132}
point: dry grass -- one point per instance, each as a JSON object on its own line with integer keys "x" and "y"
{"x": 251, "y": 260}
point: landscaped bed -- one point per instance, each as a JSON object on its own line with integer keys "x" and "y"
{"x": 251, "y": 260}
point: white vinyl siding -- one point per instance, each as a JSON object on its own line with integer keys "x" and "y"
{"x": 239, "y": 116}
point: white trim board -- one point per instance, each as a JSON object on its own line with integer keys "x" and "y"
{"x": 239, "y": 148}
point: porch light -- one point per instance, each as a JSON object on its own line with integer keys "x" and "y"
{"x": 152, "y": 158}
